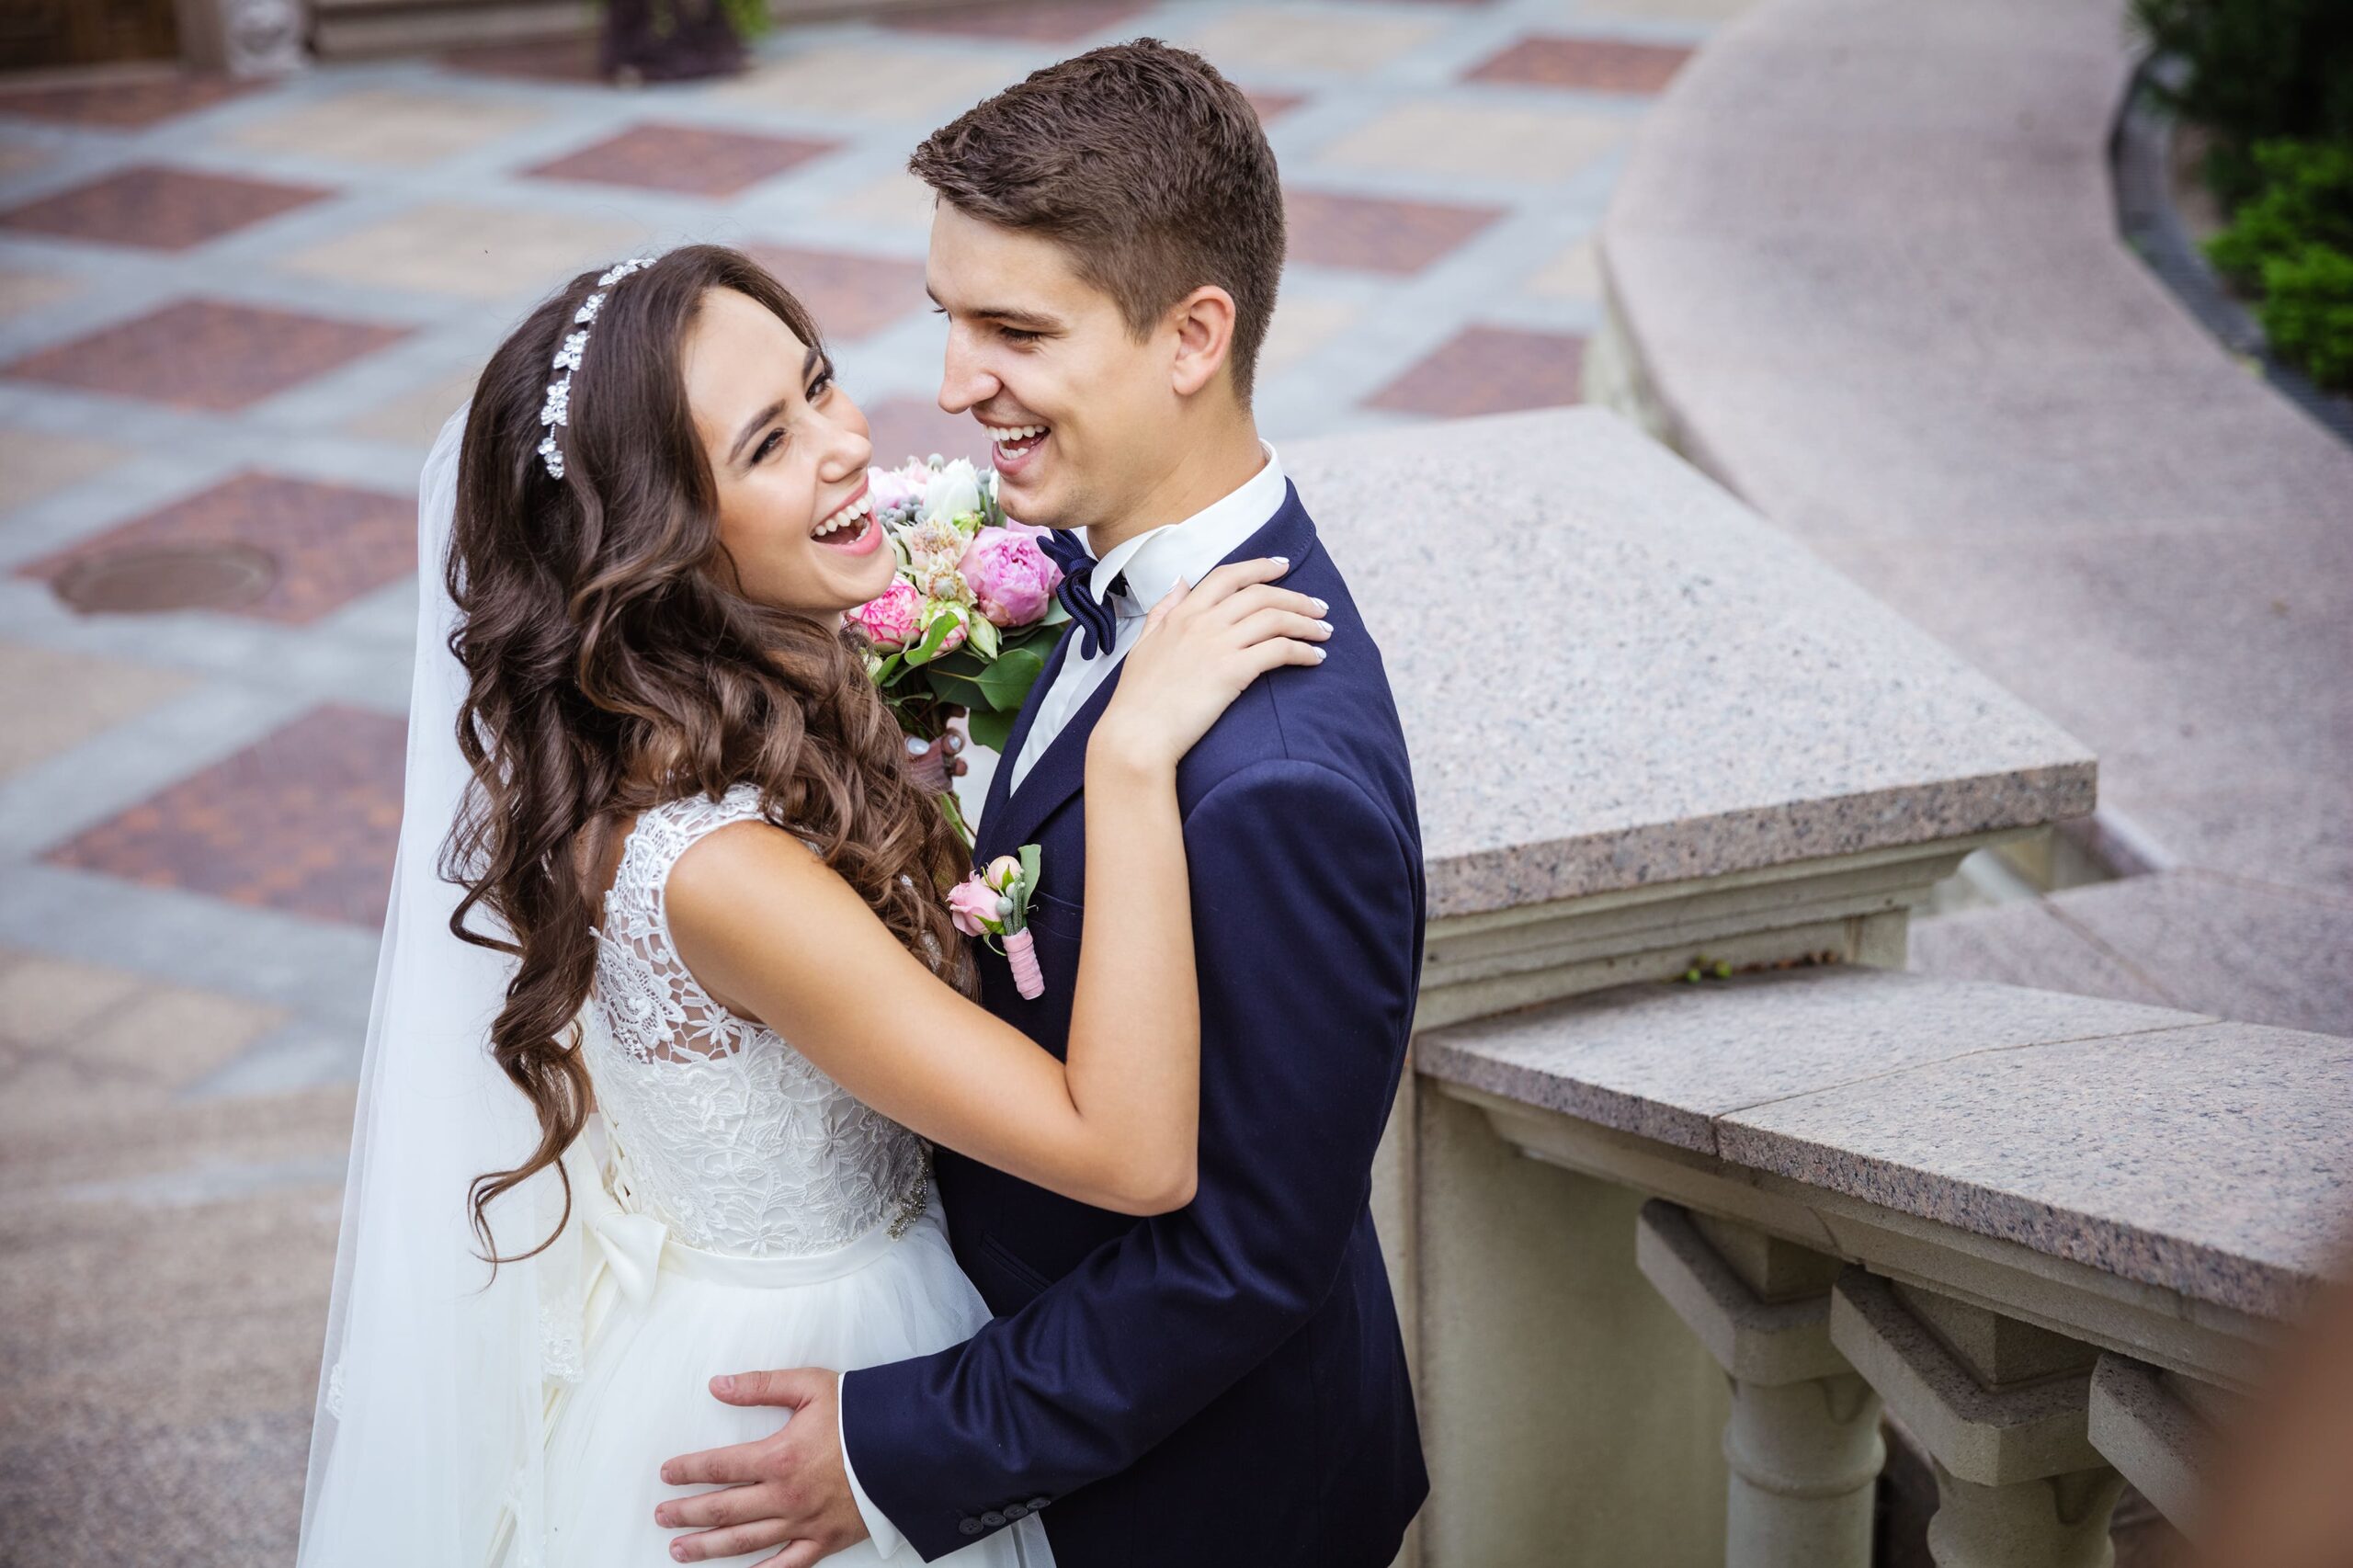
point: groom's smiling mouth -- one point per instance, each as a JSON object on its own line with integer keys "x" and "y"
{"x": 1012, "y": 446}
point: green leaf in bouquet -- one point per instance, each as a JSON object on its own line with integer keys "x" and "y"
{"x": 1055, "y": 614}
{"x": 1006, "y": 682}
{"x": 955, "y": 687}
{"x": 888, "y": 670}
{"x": 928, "y": 649}
{"x": 990, "y": 728}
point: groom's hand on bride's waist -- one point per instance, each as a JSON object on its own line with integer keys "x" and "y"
{"x": 789, "y": 1490}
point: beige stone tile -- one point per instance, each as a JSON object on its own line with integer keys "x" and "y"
{"x": 1704, "y": 11}
{"x": 34, "y": 464}
{"x": 868, "y": 83}
{"x": 170, "y": 1037}
{"x": 52, "y": 702}
{"x": 1574, "y": 273}
{"x": 1451, "y": 138}
{"x": 1300, "y": 327}
{"x": 897, "y": 201}
{"x": 384, "y": 126}
{"x": 1248, "y": 39}
{"x": 480, "y": 253}
{"x": 21, "y": 293}
{"x": 415, "y": 418}
{"x": 45, "y": 1001}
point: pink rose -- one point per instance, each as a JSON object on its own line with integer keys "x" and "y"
{"x": 890, "y": 620}
{"x": 1011, "y": 579}
{"x": 973, "y": 905}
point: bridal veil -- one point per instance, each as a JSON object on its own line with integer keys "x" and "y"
{"x": 426, "y": 1451}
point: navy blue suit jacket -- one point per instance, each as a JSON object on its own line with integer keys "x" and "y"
{"x": 1226, "y": 1384}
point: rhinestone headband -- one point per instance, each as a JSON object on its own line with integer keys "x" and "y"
{"x": 557, "y": 410}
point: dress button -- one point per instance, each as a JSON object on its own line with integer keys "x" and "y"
{"x": 972, "y": 1526}
{"x": 1015, "y": 1511}
{"x": 992, "y": 1518}
{"x": 1038, "y": 1503}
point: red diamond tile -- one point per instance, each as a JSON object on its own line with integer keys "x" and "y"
{"x": 1594, "y": 64}
{"x": 303, "y": 820}
{"x": 914, "y": 427}
{"x": 1489, "y": 369}
{"x": 205, "y": 354}
{"x": 685, "y": 158}
{"x": 331, "y": 543}
{"x": 849, "y": 295}
{"x": 1375, "y": 235}
{"x": 157, "y": 208}
{"x": 1272, "y": 106}
{"x": 1031, "y": 24}
{"x": 126, "y": 104}
{"x": 571, "y": 58}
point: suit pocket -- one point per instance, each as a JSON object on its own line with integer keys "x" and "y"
{"x": 1062, "y": 918}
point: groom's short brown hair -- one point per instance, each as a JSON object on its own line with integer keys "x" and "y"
{"x": 1147, "y": 166}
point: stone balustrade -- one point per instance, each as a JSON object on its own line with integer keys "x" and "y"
{"x": 1667, "y": 1250}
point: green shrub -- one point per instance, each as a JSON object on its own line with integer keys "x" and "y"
{"x": 2292, "y": 242}
{"x": 2307, "y": 311}
{"x": 2304, "y": 196}
{"x": 2256, "y": 70}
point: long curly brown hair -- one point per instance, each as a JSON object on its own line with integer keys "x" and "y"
{"x": 613, "y": 662}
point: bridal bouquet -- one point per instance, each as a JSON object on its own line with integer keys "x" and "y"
{"x": 970, "y": 620}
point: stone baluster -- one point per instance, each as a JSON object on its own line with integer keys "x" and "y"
{"x": 2002, "y": 1407}
{"x": 1803, "y": 1445}
{"x": 2157, "y": 1430}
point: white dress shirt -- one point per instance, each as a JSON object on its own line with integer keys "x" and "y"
{"x": 1152, "y": 561}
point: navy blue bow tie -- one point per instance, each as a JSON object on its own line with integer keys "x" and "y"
{"x": 1098, "y": 629}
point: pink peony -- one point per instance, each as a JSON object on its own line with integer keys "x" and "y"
{"x": 1011, "y": 579}
{"x": 890, "y": 620}
{"x": 891, "y": 490}
{"x": 973, "y": 905}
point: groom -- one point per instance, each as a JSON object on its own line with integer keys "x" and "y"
{"x": 1224, "y": 1385}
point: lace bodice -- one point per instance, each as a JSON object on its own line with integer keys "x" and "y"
{"x": 720, "y": 1130}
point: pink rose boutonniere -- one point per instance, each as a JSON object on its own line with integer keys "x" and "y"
{"x": 994, "y": 902}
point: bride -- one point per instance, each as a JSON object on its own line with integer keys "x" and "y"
{"x": 670, "y": 999}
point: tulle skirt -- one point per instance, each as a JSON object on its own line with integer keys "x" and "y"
{"x": 644, "y": 1395}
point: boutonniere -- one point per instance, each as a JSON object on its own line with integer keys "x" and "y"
{"x": 994, "y": 902}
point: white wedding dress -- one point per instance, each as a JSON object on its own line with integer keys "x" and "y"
{"x": 745, "y": 1214}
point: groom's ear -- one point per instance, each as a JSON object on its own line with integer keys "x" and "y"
{"x": 1203, "y": 322}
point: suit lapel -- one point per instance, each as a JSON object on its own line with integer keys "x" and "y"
{"x": 1012, "y": 815}
{"x": 1059, "y": 773}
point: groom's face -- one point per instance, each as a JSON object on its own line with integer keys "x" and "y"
{"x": 1076, "y": 408}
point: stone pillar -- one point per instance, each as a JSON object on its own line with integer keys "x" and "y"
{"x": 242, "y": 38}
{"x": 2002, "y": 1407}
{"x": 1803, "y": 1445}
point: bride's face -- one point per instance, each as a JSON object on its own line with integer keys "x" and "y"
{"x": 788, "y": 450}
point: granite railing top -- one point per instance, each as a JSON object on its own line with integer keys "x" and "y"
{"x": 1612, "y": 672}
{"x": 2208, "y": 1158}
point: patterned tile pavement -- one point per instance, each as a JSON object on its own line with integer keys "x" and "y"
{"x": 684, "y": 158}
{"x": 204, "y": 354}
{"x": 159, "y": 208}
{"x": 1487, "y": 369}
{"x": 304, "y": 820}
{"x": 238, "y": 314}
{"x": 331, "y": 542}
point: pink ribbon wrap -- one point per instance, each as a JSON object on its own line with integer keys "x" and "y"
{"x": 1022, "y": 954}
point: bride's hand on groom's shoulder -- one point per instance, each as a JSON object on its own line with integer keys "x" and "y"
{"x": 790, "y": 1490}
{"x": 1201, "y": 647}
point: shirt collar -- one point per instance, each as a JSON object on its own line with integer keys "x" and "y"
{"x": 1155, "y": 559}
